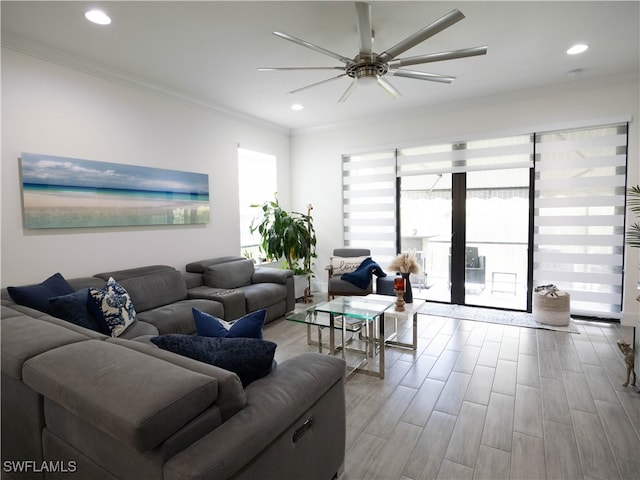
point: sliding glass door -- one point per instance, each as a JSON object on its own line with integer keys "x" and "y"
{"x": 425, "y": 227}
{"x": 470, "y": 232}
{"x": 497, "y": 238}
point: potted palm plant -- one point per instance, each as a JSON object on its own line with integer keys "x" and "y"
{"x": 289, "y": 236}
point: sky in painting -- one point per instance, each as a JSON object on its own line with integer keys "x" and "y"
{"x": 71, "y": 172}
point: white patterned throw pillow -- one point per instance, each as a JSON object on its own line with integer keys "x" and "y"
{"x": 342, "y": 265}
{"x": 114, "y": 307}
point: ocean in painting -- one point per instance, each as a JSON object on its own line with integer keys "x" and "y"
{"x": 69, "y": 193}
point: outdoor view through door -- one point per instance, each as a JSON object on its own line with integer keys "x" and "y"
{"x": 496, "y": 222}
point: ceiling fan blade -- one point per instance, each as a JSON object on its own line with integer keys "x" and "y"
{"x": 317, "y": 83}
{"x": 363, "y": 12}
{"x": 347, "y": 93}
{"x": 420, "y": 36}
{"x": 316, "y": 48}
{"x": 438, "y": 57}
{"x": 433, "y": 77}
{"x": 270, "y": 69}
{"x": 390, "y": 89}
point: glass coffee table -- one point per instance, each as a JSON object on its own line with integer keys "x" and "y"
{"x": 362, "y": 315}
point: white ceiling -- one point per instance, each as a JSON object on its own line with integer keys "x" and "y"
{"x": 208, "y": 52}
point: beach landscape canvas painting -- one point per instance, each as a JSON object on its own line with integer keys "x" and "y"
{"x": 60, "y": 192}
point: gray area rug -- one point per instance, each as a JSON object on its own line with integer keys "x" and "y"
{"x": 517, "y": 319}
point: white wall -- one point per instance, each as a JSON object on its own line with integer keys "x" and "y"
{"x": 54, "y": 110}
{"x": 318, "y": 153}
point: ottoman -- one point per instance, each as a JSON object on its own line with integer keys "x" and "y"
{"x": 384, "y": 285}
{"x": 551, "y": 307}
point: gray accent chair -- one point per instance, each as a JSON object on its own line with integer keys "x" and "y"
{"x": 339, "y": 265}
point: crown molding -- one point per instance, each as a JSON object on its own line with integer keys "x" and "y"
{"x": 82, "y": 64}
{"x": 584, "y": 85}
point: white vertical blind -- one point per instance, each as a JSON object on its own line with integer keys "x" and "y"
{"x": 369, "y": 203}
{"x": 579, "y": 216}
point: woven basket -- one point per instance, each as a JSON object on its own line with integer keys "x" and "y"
{"x": 551, "y": 309}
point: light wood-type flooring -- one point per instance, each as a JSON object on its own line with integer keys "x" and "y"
{"x": 487, "y": 401}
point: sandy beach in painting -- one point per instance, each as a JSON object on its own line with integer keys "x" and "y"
{"x": 58, "y": 200}
{"x": 56, "y": 210}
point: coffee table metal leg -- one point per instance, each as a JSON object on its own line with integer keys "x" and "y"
{"x": 343, "y": 330}
{"x": 381, "y": 344}
{"x": 332, "y": 339}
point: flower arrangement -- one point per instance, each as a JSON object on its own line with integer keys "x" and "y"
{"x": 405, "y": 263}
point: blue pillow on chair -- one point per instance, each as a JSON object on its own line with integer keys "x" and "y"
{"x": 249, "y": 326}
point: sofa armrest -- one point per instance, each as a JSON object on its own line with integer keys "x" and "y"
{"x": 329, "y": 269}
{"x": 271, "y": 275}
{"x": 304, "y": 394}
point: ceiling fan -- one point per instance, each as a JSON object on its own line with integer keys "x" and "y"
{"x": 368, "y": 66}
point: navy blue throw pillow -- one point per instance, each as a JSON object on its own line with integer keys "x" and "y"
{"x": 37, "y": 296}
{"x": 249, "y": 358}
{"x": 73, "y": 308}
{"x": 249, "y": 326}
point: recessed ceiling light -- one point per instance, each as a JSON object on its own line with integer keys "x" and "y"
{"x": 98, "y": 17}
{"x": 297, "y": 107}
{"x": 578, "y": 48}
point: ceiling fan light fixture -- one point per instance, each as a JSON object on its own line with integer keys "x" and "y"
{"x": 297, "y": 107}
{"x": 98, "y": 17}
{"x": 577, "y": 48}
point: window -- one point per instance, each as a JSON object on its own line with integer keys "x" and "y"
{"x": 257, "y": 183}
{"x": 579, "y": 216}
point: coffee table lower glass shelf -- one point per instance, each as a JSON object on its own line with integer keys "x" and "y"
{"x": 363, "y": 318}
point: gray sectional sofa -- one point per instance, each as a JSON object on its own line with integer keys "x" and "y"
{"x": 80, "y": 404}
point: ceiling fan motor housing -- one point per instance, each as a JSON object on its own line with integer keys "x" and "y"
{"x": 366, "y": 67}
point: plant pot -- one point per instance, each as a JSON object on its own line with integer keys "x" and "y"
{"x": 300, "y": 282}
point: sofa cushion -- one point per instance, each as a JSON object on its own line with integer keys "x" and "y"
{"x": 249, "y": 358}
{"x": 229, "y": 275}
{"x": 178, "y": 317}
{"x": 74, "y": 308}
{"x": 261, "y": 295}
{"x": 37, "y": 296}
{"x": 113, "y": 307}
{"x": 201, "y": 265}
{"x": 136, "y": 398}
{"x": 26, "y": 337}
{"x": 231, "y": 396}
{"x": 249, "y": 326}
{"x": 155, "y": 290}
{"x": 121, "y": 275}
